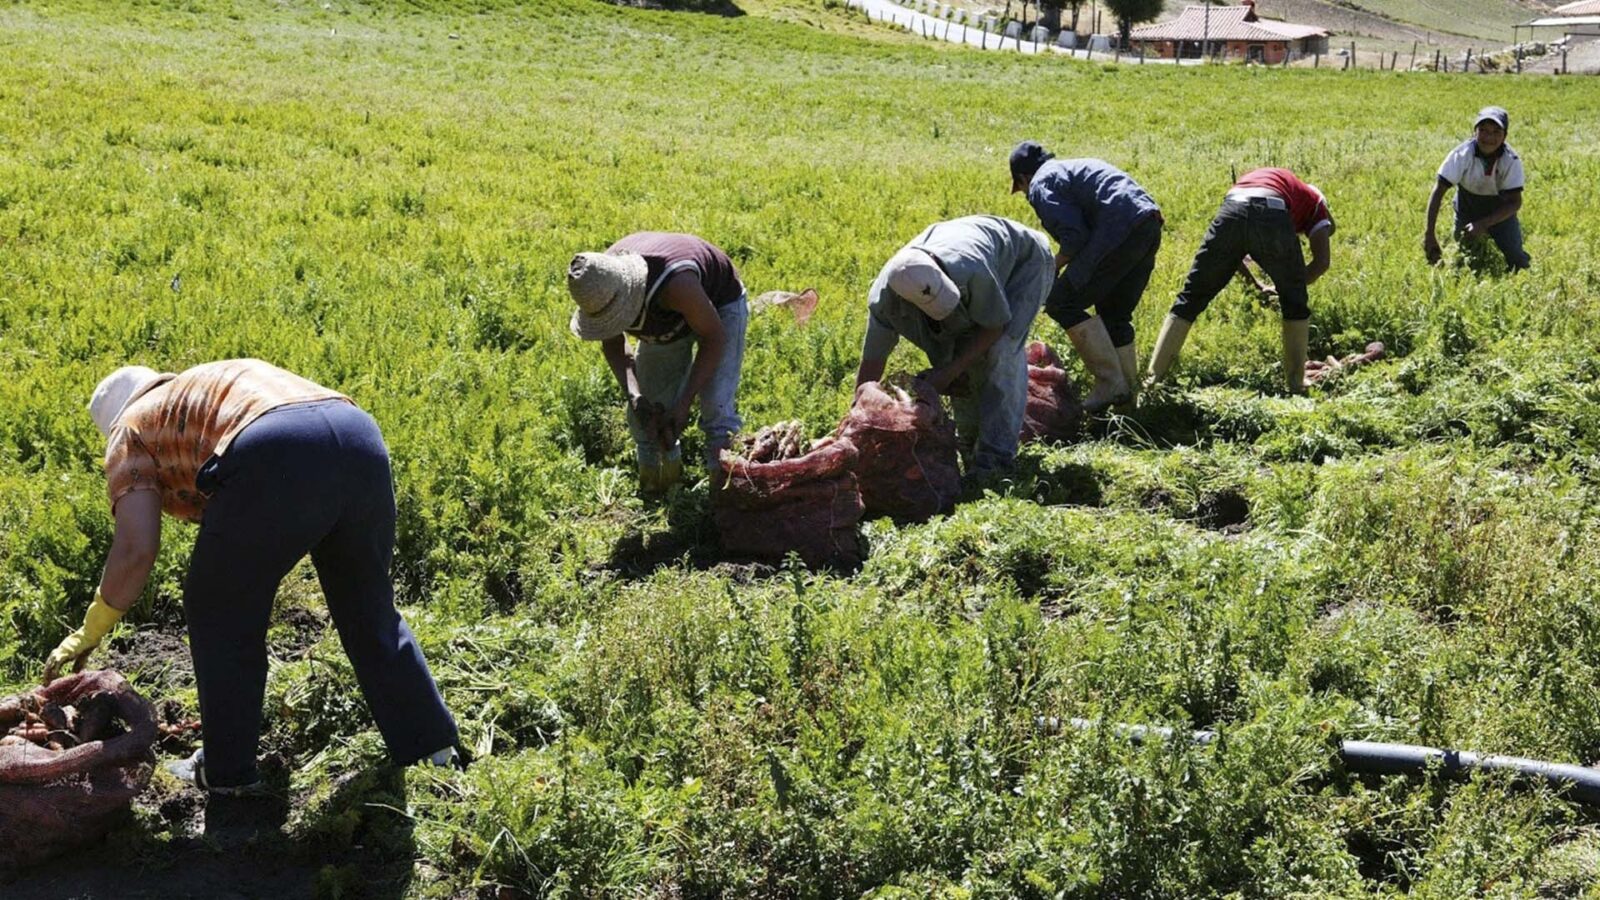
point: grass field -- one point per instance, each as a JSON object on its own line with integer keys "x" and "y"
{"x": 384, "y": 199}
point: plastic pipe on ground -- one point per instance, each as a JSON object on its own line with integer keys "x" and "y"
{"x": 1377, "y": 758}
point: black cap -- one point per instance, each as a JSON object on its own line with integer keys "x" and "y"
{"x": 1026, "y": 160}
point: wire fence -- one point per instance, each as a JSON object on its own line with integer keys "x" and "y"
{"x": 934, "y": 20}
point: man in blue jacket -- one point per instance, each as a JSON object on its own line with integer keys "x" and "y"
{"x": 1108, "y": 230}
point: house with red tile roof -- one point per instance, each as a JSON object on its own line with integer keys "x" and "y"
{"x": 1229, "y": 31}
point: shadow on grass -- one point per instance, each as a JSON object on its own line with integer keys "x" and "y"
{"x": 358, "y": 844}
{"x": 1068, "y": 484}
{"x": 723, "y": 8}
{"x": 675, "y": 530}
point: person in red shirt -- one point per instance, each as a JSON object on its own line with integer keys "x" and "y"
{"x": 1261, "y": 217}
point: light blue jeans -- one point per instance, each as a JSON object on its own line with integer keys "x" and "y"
{"x": 988, "y": 415}
{"x": 663, "y": 369}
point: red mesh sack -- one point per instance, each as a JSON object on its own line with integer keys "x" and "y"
{"x": 908, "y": 468}
{"x": 54, "y": 800}
{"x": 1053, "y": 412}
{"x": 775, "y": 498}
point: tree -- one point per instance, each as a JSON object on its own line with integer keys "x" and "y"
{"x": 1050, "y": 15}
{"x": 1132, "y": 12}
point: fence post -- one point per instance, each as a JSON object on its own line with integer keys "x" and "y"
{"x": 1393, "y": 60}
{"x": 1563, "y": 60}
{"x": 1413, "y": 56}
{"x": 1519, "y": 59}
{"x": 1317, "y": 63}
{"x": 985, "y": 39}
{"x": 1468, "y": 63}
{"x": 1436, "y": 60}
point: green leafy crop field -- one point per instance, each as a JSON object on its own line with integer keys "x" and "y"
{"x": 384, "y": 198}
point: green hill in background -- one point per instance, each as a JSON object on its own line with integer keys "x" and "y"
{"x": 1439, "y": 21}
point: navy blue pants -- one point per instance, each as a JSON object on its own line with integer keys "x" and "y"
{"x": 1507, "y": 235}
{"x": 310, "y": 478}
{"x": 1115, "y": 287}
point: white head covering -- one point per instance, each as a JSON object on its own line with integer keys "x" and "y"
{"x": 609, "y": 290}
{"x": 917, "y": 279}
{"x": 111, "y": 396}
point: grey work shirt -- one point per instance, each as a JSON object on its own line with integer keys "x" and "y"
{"x": 979, "y": 253}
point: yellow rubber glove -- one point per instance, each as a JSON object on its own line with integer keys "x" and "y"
{"x": 77, "y": 646}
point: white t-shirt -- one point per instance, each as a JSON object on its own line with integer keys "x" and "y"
{"x": 1484, "y": 177}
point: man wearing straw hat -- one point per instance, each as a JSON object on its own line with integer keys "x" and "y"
{"x": 273, "y": 467}
{"x": 966, "y": 293}
{"x": 679, "y": 297}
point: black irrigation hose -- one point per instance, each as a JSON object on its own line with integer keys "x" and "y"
{"x": 1373, "y": 757}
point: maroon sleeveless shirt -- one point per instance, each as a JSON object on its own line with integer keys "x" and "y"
{"x": 666, "y": 253}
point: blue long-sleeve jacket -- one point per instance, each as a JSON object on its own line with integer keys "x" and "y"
{"x": 1089, "y": 206}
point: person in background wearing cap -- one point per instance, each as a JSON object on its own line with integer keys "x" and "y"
{"x": 272, "y": 467}
{"x": 966, "y": 293}
{"x": 1108, "y": 230}
{"x": 679, "y": 297}
{"x": 1489, "y": 174}
{"x": 1260, "y": 217}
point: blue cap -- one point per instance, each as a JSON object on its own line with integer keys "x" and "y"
{"x": 1494, "y": 114}
{"x": 1026, "y": 160}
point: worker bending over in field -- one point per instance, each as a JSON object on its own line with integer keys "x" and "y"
{"x": 679, "y": 297}
{"x": 272, "y": 467}
{"x": 966, "y": 292}
{"x": 1489, "y": 175}
{"x": 1108, "y": 230}
{"x": 1260, "y": 216}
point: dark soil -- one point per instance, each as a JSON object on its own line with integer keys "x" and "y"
{"x": 295, "y": 631}
{"x": 156, "y": 659}
{"x": 1226, "y": 511}
{"x": 1157, "y": 500}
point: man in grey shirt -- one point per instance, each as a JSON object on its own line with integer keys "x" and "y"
{"x": 966, "y": 292}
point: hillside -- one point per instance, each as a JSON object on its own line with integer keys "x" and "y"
{"x": 384, "y": 198}
{"x": 1447, "y": 22}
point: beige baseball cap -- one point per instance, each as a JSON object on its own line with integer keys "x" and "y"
{"x": 114, "y": 392}
{"x": 915, "y": 277}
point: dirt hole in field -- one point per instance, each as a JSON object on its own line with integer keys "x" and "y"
{"x": 1226, "y": 510}
{"x": 155, "y": 657}
{"x": 297, "y": 630}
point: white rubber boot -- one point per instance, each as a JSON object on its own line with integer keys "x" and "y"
{"x": 1295, "y": 335}
{"x": 1128, "y": 362}
{"x": 1174, "y": 331}
{"x": 1093, "y": 344}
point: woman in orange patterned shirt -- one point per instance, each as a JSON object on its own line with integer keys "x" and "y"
{"x": 273, "y": 467}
